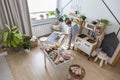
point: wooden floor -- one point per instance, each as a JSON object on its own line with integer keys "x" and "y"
{"x": 31, "y": 67}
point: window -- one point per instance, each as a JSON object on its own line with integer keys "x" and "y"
{"x": 42, "y": 9}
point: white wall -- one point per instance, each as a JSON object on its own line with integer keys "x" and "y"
{"x": 95, "y": 9}
{"x": 62, "y": 3}
{"x": 114, "y": 6}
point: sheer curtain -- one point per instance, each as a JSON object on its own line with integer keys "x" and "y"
{"x": 15, "y": 12}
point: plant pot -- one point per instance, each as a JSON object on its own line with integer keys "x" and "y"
{"x": 27, "y": 50}
{"x": 17, "y": 49}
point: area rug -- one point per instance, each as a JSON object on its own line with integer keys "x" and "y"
{"x": 5, "y": 73}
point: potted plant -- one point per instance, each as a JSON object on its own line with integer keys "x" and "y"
{"x": 26, "y": 44}
{"x": 82, "y": 17}
{"x": 104, "y": 23}
{"x": 51, "y": 13}
{"x": 11, "y": 37}
{"x": 58, "y": 15}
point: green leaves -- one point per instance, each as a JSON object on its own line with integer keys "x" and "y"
{"x": 82, "y": 17}
{"x": 12, "y": 37}
{"x": 51, "y": 13}
{"x": 8, "y": 27}
{"x": 5, "y": 35}
{"x": 105, "y": 22}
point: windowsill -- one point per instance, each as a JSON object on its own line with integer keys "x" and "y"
{"x": 43, "y": 21}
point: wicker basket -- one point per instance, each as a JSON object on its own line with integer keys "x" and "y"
{"x": 34, "y": 44}
{"x": 73, "y": 74}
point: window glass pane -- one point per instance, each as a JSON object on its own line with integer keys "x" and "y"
{"x": 39, "y": 9}
{"x": 42, "y": 5}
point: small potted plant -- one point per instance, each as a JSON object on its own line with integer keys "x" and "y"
{"x": 82, "y": 17}
{"x": 104, "y": 23}
{"x": 26, "y": 44}
{"x": 51, "y": 13}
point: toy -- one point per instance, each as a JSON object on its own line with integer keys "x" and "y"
{"x": 54, "y": 48}
{"x": 52, "y": 52}
{"x": 61, "y": 59}
{"x": 48, "y": 50}
{"x": 58, "y": 37}
{"x": 55, "y": 55}
{"x": 58, "y": 45}
{"x": 60, "y": 49}
{"x": 56, "y": 61}
{"x": 66, "y": 56}
{"x": 76, "y": 70}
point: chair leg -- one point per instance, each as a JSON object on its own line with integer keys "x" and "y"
{"x": 101, "y": 63}
{"x": 96, "y": 59}
{"x": 106, "y": 62}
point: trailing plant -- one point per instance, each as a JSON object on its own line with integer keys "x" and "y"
{"x": 11, "y": 37}
{"x": 57, "y": 13}
{"x": 60, "y": 17}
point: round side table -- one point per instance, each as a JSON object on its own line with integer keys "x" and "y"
{"x": 76, "y": 72}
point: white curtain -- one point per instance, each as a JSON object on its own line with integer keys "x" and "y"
{"x": 15, "y": 13}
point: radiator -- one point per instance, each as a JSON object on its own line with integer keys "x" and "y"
{"x": 41, "y": 29}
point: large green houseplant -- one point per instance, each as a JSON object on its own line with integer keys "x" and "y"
{"x": 11, "y": 37}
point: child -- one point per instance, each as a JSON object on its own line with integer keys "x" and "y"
{"x": 72, "y": 32}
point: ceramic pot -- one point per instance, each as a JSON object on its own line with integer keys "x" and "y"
{"x": 27, "y": 50}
